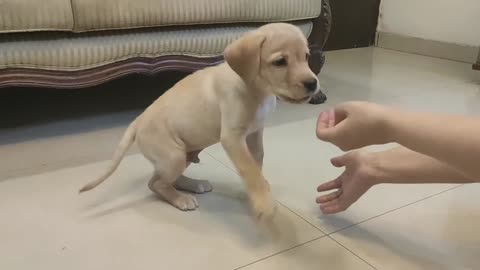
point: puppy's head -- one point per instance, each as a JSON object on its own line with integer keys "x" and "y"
{"x": 274, "y": 58}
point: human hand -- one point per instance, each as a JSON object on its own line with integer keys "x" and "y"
{"x": 357, "y": 179}
{"x": 354, "y": 125}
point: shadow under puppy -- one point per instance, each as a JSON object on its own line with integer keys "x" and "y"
{"x": 227, "y": 103}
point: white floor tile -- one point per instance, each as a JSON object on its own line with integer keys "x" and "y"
{"x": 296, "y": 163}
{"x": 401, "y": 79}
{"x": 46, "y": 224}
{"x": 438, "y": 233}
{"x": 46, "y": 147}
{"x": 323, "y": 253}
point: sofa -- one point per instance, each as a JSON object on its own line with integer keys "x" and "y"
{"x": 75, "y": 44}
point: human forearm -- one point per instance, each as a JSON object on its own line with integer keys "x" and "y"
{"x": 366, "y": 169}
{"x": 402, "y": 165}
{"x": 454, "y": 140}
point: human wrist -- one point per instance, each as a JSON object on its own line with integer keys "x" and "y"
{"x": 389, "y": 122}
{"x": 376, "y": 175}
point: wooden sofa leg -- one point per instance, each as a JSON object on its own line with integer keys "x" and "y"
{"x": 320, "y": 32}
{"x": 316, "y": 64}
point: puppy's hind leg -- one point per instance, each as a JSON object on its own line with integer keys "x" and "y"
{"x": 167, "y": 170}
{"x": 193, "y": 185}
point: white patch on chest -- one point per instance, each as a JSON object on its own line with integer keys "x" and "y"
{"x": 262, "y": 113}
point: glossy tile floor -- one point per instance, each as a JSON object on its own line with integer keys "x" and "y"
{"x": 45, "y": 224}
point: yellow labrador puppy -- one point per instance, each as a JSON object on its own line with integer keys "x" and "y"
{"x": 227, "y": 103}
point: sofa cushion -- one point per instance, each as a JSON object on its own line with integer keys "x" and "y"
{"x": 40, "y": 15}
{"x": 119, "y": 14}
{"x": 70, "y": 52}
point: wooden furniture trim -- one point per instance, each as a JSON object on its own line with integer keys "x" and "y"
{"x": 477, "y": 65}
{"x": 28, "y": 77}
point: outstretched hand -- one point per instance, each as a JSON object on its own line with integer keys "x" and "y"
{"x": 346, "y": 189}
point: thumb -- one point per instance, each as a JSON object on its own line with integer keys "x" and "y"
{"x": 339, "y": 161}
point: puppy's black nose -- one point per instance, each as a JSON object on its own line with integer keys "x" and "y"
{"x": 310, "y": 85}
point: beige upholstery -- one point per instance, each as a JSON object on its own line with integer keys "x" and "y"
{"x": 34, "y": 15}
{"x": 68, "y": 51}
{"x": 90, "y": 15}
{"x": 115, "y": 14}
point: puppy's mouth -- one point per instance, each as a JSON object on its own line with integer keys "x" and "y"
{"x": 295, "y": 100}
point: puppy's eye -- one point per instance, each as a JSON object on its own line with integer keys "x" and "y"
{"x": 281, "y": 62}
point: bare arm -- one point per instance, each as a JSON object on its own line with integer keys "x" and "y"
{"x": 366, "y": 169}
{"x": 402, "y": 165}
{"x": 454, "y": 140}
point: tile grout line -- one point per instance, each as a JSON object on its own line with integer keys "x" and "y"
{"x": 290, "y": 210}
{"x": 302, "y": 218}
{"x": 299, "y": 245}
{"x": 328, "y": 235}
{"x": 355, "y": 224}
{"x": 351, "y": 252}
{"x": 279, "y": 252}
{"x": 222, "y": 163}
{"x": 395, "y": 209}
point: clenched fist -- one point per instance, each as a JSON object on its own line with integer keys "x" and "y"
{"x": 354, "y": 125}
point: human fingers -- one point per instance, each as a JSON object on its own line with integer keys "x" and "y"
{"x": 324, "y": 122}
{"x": 324, "y": 131}
{"x": 327, "y": 120}
{"x": 334, "y": 184}
{"x": 339, "y": 135}
{"x": 330, "y": 210}
{"x": 329, "y": 197}
{"x": 332, "y": 207}
{"x": 331, "y": 118}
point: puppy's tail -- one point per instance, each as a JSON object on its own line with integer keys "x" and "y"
{"x": 126, "y": 141}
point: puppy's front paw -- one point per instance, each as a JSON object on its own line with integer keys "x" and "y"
{"x": 185, "y": 202}
{"x": 263, "y": 205}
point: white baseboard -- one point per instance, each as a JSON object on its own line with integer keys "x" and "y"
{"x": 451, "y": 51}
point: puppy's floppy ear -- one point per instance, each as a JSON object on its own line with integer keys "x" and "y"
{"x": 243, "y": 55}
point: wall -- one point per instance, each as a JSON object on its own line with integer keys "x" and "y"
{"x": 451, "y": 21}
{"x": 354, "y": 24}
